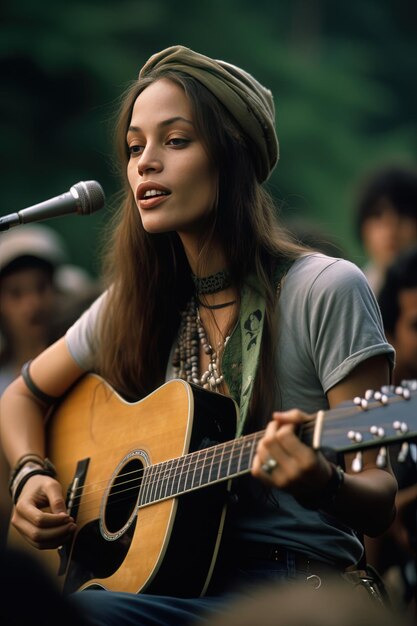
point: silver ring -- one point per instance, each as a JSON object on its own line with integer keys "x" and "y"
{"x": 269, "y": 466}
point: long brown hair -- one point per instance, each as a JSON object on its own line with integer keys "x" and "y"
{"x": 149, "y": 274}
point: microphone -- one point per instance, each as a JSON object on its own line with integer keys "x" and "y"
{"x": 83, "y": 198}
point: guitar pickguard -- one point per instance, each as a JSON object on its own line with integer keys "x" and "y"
{"x": 94, "y": 557}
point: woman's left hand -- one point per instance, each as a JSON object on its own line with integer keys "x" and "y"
{"x": 283, "y": 461}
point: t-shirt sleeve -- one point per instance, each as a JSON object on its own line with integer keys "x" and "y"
{"x": 82, "y": 337}
{"x": 344, "y": 322}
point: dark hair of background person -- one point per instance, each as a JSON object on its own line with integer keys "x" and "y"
{"x": 396, "y": 183}
{"x": 22, "y": 263}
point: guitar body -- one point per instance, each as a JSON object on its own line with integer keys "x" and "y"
{"x": 95, "y": 439}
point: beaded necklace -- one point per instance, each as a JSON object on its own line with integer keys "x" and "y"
{"x": 186, "y": 357}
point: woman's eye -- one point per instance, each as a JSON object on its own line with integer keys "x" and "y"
{"x": 135, "y": 150}
{"x": 178, "y": 141}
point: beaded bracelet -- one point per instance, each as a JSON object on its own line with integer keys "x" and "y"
{"x": 27, "y": 469}
{"x": 23, "y": 480}
{"x": 30, "y": 457}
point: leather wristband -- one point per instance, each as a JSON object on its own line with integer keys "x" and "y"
{"x": 33, "y": 387}
{"x": 329, "y": 493}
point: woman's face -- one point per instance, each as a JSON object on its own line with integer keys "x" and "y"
{"x": 386, "y": 233}
{"x": 169, "y": 171}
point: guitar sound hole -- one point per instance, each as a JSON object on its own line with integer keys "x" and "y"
{"x": 123, "y": 495}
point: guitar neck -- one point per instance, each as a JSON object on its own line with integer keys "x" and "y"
{"x": 198, "y": 469}
{"x": 349, "y": 427}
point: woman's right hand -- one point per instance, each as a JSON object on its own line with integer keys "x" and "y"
{"x": 40, "y": 513}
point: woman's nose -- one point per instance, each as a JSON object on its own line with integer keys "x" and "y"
{"x": 149, "y": 161}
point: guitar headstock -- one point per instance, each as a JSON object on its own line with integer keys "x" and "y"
{"x": 379, "y": 419}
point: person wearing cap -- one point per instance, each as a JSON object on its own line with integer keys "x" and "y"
{"x": 29, "y": 256}
{"x": 204, "y": 285}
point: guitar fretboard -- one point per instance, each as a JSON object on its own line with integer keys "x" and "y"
{"x": 198, "y": 469}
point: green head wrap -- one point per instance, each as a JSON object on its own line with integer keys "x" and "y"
{"x": 248, "y": 102}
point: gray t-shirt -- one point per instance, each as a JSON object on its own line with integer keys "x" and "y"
{"x": 329, "y": 322}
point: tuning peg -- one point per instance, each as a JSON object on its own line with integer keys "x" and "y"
{"x": 355, "y": 436}
{"x": 403, "y": 391}
{"x": 403, "y": 453}
{"x": 362, "y": 402}
{"x": 381, "y": 397}
{"x": 381, "y": 459}
{"x": 379, "y": 433}
{"x": 357, "y": 463}
{"x": 402, "y": 428}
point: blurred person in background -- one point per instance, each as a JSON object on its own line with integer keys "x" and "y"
{"x": 29, "y": 258}
{"x": 394, "y": 554}
{"x": 386, "y": 217}
{"x": 40, "y": 292}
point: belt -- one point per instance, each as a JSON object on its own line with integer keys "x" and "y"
{"x": 255, "y": 550}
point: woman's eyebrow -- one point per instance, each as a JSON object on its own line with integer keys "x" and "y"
{"x": 167, "y": 122}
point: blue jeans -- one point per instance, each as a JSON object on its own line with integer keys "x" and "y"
{"x": 107, "y": 608}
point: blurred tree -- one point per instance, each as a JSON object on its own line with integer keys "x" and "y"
{"x": 341, "y": 74}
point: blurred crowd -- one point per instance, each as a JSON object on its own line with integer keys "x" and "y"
{"x": 385, "y": 218}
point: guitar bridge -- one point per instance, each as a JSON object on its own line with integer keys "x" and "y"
{"x": 73, "y": 504}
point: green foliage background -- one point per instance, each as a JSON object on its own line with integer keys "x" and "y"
{"x": 342, "y": 73}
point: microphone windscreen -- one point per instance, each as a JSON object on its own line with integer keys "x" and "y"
{"x": 91, "y": 196}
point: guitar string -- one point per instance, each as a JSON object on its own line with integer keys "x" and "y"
{"x": 193, "y": 457}
{"x": 161, "y": 478}
{"x": 221, "y": 448}
{"x": 123, "y": 494}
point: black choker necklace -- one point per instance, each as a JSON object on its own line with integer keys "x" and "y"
{"x": 211, "y": 284}
{"x": 213, "y": 307}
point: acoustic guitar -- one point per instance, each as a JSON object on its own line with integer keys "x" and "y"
{"x": 148, "y": 482}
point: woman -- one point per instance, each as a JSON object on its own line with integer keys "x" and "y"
{"x": 194, "y": 272}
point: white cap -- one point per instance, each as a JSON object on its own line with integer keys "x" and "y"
{"x": 35, "y": 240}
